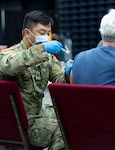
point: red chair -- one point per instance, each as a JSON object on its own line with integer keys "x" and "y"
{"x": 13, "y": 119}
{"x": 86, "y": 115}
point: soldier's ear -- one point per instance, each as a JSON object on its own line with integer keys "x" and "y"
{"x": 25, "y": 33}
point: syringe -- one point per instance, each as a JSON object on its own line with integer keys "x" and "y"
{"x": 66, "y": 50}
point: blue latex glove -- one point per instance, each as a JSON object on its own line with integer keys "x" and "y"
{"x": 53, "y": 47}
{"x": 69, "y": 65}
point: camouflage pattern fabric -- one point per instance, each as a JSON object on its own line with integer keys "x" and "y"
{"x": 32, "y": 68}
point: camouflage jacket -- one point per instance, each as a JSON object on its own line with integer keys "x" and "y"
{"x": 31, "y": 68}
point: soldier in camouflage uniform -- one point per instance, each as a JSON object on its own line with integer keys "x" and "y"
{"x": 32, "y": 67}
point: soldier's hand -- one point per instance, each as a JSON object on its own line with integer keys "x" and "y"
{"x": 53, "y": 47}
{"x": 69, "y": 65}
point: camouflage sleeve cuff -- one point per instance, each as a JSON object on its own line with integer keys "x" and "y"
{"x": 39, "y": 48}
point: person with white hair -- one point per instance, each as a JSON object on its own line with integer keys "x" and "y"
{"x": 97, "y": 65}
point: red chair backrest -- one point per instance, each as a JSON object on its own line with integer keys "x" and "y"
{"x": 8, "y": 126}
{"x": 87, "y": 113}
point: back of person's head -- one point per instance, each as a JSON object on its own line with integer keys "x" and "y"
{"x": 107, "y": 26}
{"x": 32, "y": 18}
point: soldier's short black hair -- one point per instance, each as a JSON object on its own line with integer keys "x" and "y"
{"x": 34, "y": 17}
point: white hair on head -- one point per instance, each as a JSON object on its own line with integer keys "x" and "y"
{"x": 107, "y": 26}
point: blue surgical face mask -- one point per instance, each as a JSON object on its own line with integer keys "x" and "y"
{"x": 40, "y": 38}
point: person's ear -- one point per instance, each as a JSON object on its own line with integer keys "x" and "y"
{"x": 26, "y": 33}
